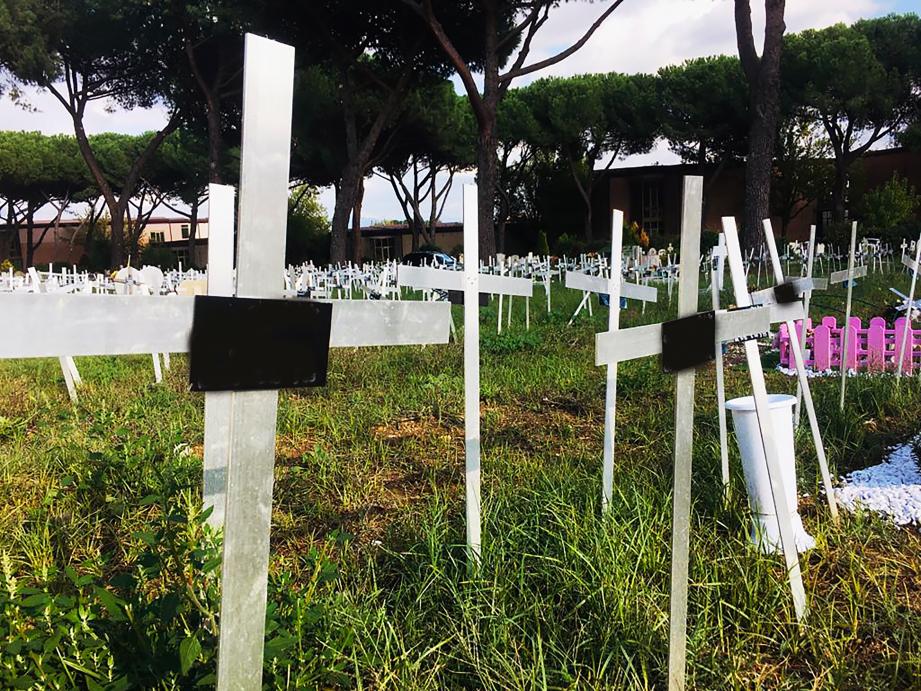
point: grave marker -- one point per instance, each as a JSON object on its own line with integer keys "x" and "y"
{"x": 86, "y": 324}
{"x": 473, "y": 284}
{"x": 913, "y": 265}
{"x": 615, "y": 346}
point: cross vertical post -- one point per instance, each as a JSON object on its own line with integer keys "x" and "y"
{"x": 268, "y": 84}
{"x": 218, "y": 404}
{"x": 472, "y": 372}
{"x": 691, "y": 219}
{"x": 847, "y": 313}
{"x": 716, "y": 269}
{"x": 610, "y": 392}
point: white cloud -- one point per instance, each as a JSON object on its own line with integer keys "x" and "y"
{"x": 644, "y": 35}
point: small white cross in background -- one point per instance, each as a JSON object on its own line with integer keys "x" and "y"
{"x": 473, "y": 283}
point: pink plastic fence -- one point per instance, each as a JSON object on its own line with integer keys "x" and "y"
{"x": 875, "y": 348}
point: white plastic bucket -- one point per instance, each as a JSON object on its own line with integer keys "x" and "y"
{"x": 765, "y": 531}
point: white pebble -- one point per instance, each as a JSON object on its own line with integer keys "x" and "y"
{"x": 892, "y": 488}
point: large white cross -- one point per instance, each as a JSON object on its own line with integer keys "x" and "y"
{"x": 618, "y": 345}
{"x": 472, "y": 282}
{"x": 240, "y": 426}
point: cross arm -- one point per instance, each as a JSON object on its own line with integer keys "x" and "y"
{"x": 598, "y": 284}
{"x": 846, "y": 274}
{"x": 628, "y": 344}
{"x": 423, "y": 277}
{"x": 80, "y": 325}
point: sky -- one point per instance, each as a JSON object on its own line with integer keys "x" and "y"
{"x": 640, "y": 36}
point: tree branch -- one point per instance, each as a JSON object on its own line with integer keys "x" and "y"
{"x": 514, "y": 74}
{"x": 745, "y": 39}
{"x": 525, "y": 47}
{"x": 425, "y": 11}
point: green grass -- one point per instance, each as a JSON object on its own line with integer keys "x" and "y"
{"x": 109, "y": 577}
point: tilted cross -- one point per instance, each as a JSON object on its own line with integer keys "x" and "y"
{"x": 588, "y": 284}
{"x": 240, "y": 425}
{"x": 765, "y": 424}
{"x": 802, "y": 378}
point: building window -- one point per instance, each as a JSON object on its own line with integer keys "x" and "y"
{"x": 826, "y": 218}
{"x": 382, "y": 249}
{"x": 185, "y": 231}
{"x": 652, "y": 209}
{"x": 157, "y": 237}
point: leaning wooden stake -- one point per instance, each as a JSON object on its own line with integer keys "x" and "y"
{"x": 765, "y": 423}
{"x": 803, "y": 380}
{"x": 909, "y": 308}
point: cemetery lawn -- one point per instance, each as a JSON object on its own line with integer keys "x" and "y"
{"x": 110, "y": 580}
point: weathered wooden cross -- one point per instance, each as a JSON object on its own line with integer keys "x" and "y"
{"x": 683, "y": 344}
{"x": 240, "y": 425}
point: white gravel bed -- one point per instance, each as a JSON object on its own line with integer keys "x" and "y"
{"x": 891, "y": 488}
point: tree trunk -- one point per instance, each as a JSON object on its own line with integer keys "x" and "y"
{"x": 357, "y": 249}
{"x": 763, "y": 77}
{"x": 758, "y": 180}
{"x": 211, "y": 94}
{"x": 487, "y": 172}
{"x": 414, "y": 226}
{"x": 839, "y": 192}
{"x": 15, "y": 240}
{"x": 30, "y": 240}
{"x": 346, "y": 193}
{"x": 193, "y": 231}
{"x": 500, "y": 234}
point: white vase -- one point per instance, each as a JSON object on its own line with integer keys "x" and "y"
{"x": 765, "y": 531}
